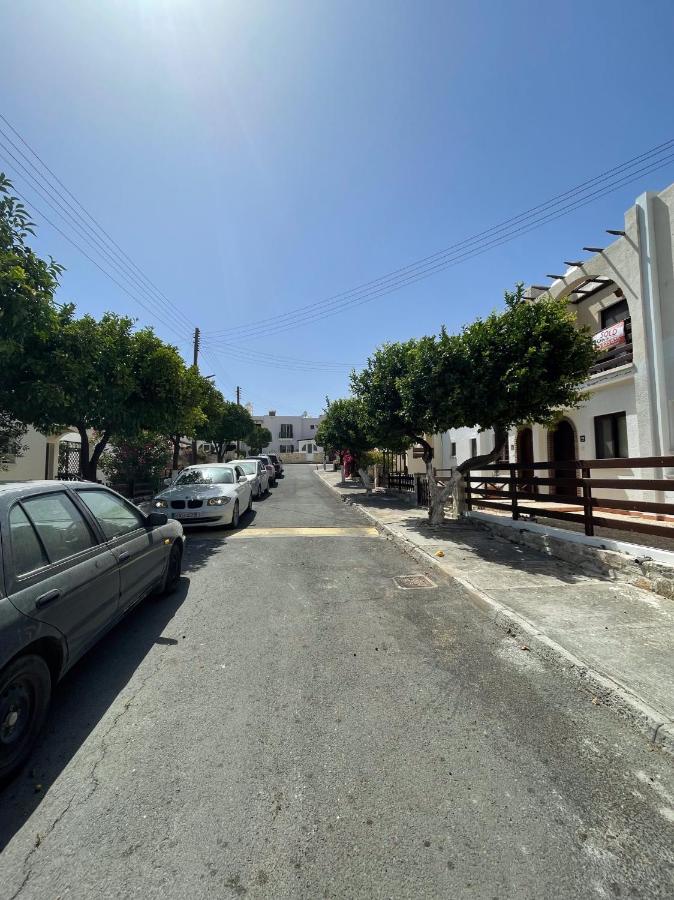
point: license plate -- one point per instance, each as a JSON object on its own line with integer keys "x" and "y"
{"x": 182, "y": 515}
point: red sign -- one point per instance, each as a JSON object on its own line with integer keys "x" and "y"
{"x": 610, "y": 337}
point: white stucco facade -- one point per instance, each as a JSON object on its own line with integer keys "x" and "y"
{"x": 291, "y": 434}
{"x": 39, "y": 460}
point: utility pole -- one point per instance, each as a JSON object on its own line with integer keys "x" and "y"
{"x": 238, "y": 400}
{"x": 195, "y": 363}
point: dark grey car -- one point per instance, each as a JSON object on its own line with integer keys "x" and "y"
{"x": 75, "y": 557}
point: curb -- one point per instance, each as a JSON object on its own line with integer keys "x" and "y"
{"x": 658, "y": 728}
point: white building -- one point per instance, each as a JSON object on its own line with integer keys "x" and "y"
{"x": 38, "y": 460}
{"x": 625, "y": 294}
{"x": 292, "y": 437}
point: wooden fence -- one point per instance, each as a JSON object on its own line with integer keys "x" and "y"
{"x": 518, "y": 493}
{"x": 398, "y": 481}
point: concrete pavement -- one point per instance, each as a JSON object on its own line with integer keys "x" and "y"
{"x": 292, "y": 723}
{"x": 616, "y": 636}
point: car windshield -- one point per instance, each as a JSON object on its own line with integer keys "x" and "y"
{"x": 250, "y": 468}
{"x": 206, "y": 475}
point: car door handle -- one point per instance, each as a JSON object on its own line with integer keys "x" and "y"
{"x": 46, "y": 599}
{"x": 123, "y": 556}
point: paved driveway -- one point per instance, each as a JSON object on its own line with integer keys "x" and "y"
{"x": 293, "y": 723}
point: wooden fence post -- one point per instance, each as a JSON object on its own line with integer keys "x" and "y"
{"x": 513, "y": 490}
{"x": 468, "y": 497}
{"x": 587, "y": 501}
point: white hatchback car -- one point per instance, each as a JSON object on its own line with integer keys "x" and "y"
{"x": 257, "y": 475}
{"x": 213, "y": 494}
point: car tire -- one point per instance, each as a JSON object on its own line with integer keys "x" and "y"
{"x": 235, "y": 516}
{"x": 173, "y": 569}
{"x": 25, "y": 692}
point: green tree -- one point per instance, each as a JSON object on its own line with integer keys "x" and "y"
{"x": 30, "y": 319}
{"x": 523, "y": 365}
{"x": 227, "y": 423}
{"x": 344, "y": 428}
{"x": 108, "y": 379}
{"x": 257, "y": 439}
{"x": 196, "y": 403}
{"x": 141, "y": 458}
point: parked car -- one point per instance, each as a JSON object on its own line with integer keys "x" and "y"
{"x": 75, "y": 558}
{"x": 256, "y": 473}
{"x": 213, "y": 494}
{"x": 269, "y": 466}
{"x": 277, "y": 462}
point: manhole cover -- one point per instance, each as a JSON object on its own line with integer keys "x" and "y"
{"x": 413, "y": 582}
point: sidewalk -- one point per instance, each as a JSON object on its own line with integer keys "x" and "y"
{"x": 617, "y": 637}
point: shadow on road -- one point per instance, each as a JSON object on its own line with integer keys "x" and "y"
{"x": 88, "y": 690}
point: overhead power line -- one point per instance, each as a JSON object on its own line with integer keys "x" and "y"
{"x": 570, "y": 200}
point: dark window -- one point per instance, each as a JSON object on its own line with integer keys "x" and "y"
{"x": 610, "y": 435}
{"x": 453, "y": 448}
{"x": 27, "y": 551}
{"x": 312, "y": 427}
{"x": 114, "y": 515}
{"x": 60, "y": 525}
{"x": 618, "y": 312}
{"x": 286, "y": 431}
{"x": 473, "y": 447}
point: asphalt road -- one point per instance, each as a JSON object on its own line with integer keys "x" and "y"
{"x": 291, "y": 723}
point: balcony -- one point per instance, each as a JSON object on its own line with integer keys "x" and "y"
{"x": 618, "y": 355}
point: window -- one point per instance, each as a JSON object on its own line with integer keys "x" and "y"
{"x": 205, "y": 475}
{"x": 60, "y": 525}
{"x": 618, "y": 312}
{"x": 452, "y": 449}
{"x": 312, "y": 427}
{"x": 287, "y": 448}
{"x": 286, "y": 431}
{"x": 473, "y": 447}
{"x": 610, "y": 435}
{"x": 27, "y": 551}
{"x": 114, "y": 515}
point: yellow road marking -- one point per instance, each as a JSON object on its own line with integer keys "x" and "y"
{"x": 327, "y": 531}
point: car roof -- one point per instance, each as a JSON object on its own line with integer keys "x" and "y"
{"x": 9, "y": 490}
{"x": 210, "y": 465}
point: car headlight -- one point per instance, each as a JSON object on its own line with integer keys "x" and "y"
{"x": 160, "y": 504}
{"x": 218, "y": 501}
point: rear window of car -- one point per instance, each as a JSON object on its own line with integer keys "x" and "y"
{"x": 250, "y": 468}
{"x": 206, "y": 475}
{"x": 27, "y": 552}
{"x": 62, "y": 528}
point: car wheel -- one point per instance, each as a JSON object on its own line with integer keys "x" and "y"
{"x": 235, "y": 515}
{"x": 174, "y": 569}
{"x": 25, "y": 691}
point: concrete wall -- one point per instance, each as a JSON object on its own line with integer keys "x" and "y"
{"x": 37, "y": 462}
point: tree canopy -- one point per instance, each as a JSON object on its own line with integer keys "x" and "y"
{"x": 258, "y": 438}
{"x": 344, "y": 427}
{"x": 226, "y": 422}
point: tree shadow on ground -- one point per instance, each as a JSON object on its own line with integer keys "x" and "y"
{"x": 85, "y": 694}
{"x": 471, "y": 540}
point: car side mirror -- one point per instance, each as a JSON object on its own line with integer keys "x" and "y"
{"x": 242, "y": 479}
{"x": 155, "y": 519}
{"x": 167, "y": 481}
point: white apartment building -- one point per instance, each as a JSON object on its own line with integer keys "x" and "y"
{"x": 291, "y": 435}
{"x": 625, "y": 294}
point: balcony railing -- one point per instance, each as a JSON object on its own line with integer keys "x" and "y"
{"x": 616, "y": 356}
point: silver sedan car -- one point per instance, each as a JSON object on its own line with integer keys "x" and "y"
{"x": 213, "y": 494}
{"x": 256, "y": 473}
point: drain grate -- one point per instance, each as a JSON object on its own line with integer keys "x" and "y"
{"x": 414, "y": 582}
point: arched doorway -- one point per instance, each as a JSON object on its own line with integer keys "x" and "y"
{"x": 562, "y": 448}
{"x": 525, "y": 457}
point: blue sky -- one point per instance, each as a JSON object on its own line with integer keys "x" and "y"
{"x": 253, "y": 157}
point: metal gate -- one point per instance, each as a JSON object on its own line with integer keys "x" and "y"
{"x": 69, "y": 460}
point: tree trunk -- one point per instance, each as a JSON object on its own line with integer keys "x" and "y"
{"x": 176, "y": 452}
{"x": 84, "y": 452}
{"x": 96, "y": 455}
{"x": 220, "y": 451}
{"x": 500, "y": 437}
{"x": 366, "y": 481}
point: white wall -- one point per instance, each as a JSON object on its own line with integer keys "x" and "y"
{"x": 32, "y": 464}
